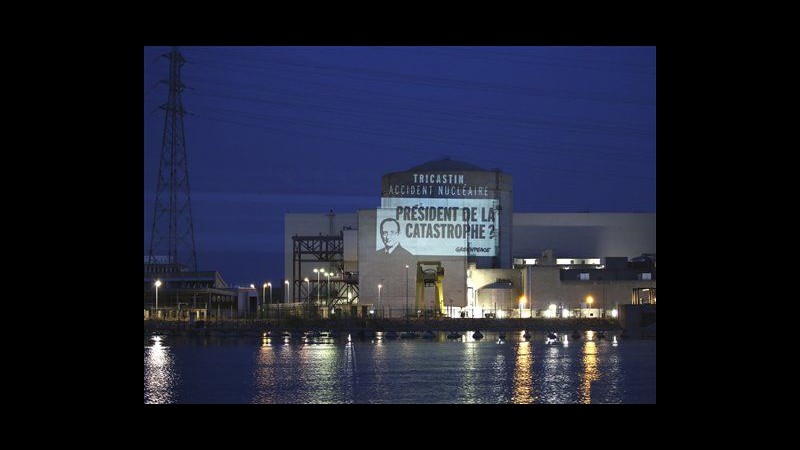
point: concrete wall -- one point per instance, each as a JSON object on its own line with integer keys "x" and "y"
{"x": 546, "y": 287}
{"x": 584, "y": 235}
{"x": 482, "y": 277}
{"x": 374, "y": 270}
{"x": 350, "y": 246}
{"x": 638, "y": 321}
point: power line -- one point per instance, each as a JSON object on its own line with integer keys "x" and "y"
{"x": 514, "y": 164}
{"x": 425, "y": 80}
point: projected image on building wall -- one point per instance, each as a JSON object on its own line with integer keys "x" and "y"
{"x": 437, "y": 226}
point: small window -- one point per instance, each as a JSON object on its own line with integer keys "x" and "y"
{"x": 583, "y": 276}
{"x": 646, "y": 276}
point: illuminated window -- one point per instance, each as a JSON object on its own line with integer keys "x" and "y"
{"x": 583, "y": 276}
{"x": 645, "y": 276}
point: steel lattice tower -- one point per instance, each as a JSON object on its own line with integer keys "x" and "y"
{"x": 173, "y": 231}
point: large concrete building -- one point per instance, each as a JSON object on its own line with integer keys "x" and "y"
{"x": 444, "y": 239}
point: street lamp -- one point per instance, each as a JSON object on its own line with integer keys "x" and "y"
{"x": 589, "y": 301}
{"x": 328, "y": 287}
{"x": 157, "y": 283}
{"x": 269, "y": 284}
{"x": 308, "y": 295}
{"x": 286, "y": 294}
{"x": 263, "y": 297}
{"x": 380, "y": 305}
{"x": 317, "y": 271}
{"x": 406, "y": 292}
{"x": 252, "y": 286}
{"x": 521, "y": 305}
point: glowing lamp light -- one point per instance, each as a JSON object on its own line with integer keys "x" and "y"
{"x": 157, "y": 284}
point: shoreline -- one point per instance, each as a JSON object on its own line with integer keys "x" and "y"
{"x": 356, "y": 326}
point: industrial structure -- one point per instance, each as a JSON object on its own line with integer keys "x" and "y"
{"x": 172, "y": 233}
{"x": 444, "y": 239}
{"x": 170, "y": 265}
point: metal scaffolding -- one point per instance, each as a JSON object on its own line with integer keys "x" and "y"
{"x": 322, "y": 252}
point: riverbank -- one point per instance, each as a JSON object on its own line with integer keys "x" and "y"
{"x": 296, "y": 324}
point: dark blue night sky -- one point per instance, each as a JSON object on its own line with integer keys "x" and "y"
{"x": 272, "y": 130}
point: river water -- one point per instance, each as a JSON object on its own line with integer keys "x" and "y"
{"x": 538, "y": 370}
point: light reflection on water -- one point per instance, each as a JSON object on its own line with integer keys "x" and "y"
{"x": 256, "y": 370}
{"x": 589, "y": 372}
{"x": 523, "y": 386}
{"x": 159, "y": 372}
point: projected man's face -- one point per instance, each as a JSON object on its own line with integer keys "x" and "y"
{"x": 390, "y": 233}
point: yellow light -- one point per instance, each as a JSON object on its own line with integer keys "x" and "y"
{"x": 614, "y": 313}
{"x": 589, "y": 299}
{"x": 158, "y": 283}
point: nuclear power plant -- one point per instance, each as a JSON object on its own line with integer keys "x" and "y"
{"x": 444, "y": 239}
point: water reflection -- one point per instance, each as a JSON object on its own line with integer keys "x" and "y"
{"x": 259, "y": 370}
{"x": 265, "y": 373}
{"x": 523, "y": 380}
{"x": 380, "y": 387}
{"x": 590, "y": 372}
{"x": 159, "y": 373}
{"x": 500, "y": 378}
{"x": 613, "y": 377}
{"x": 304, "y": 374}
{"x": 469, "y": 372}
{"x": 328, "y": 373}
{"x": 557, "y": 375}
